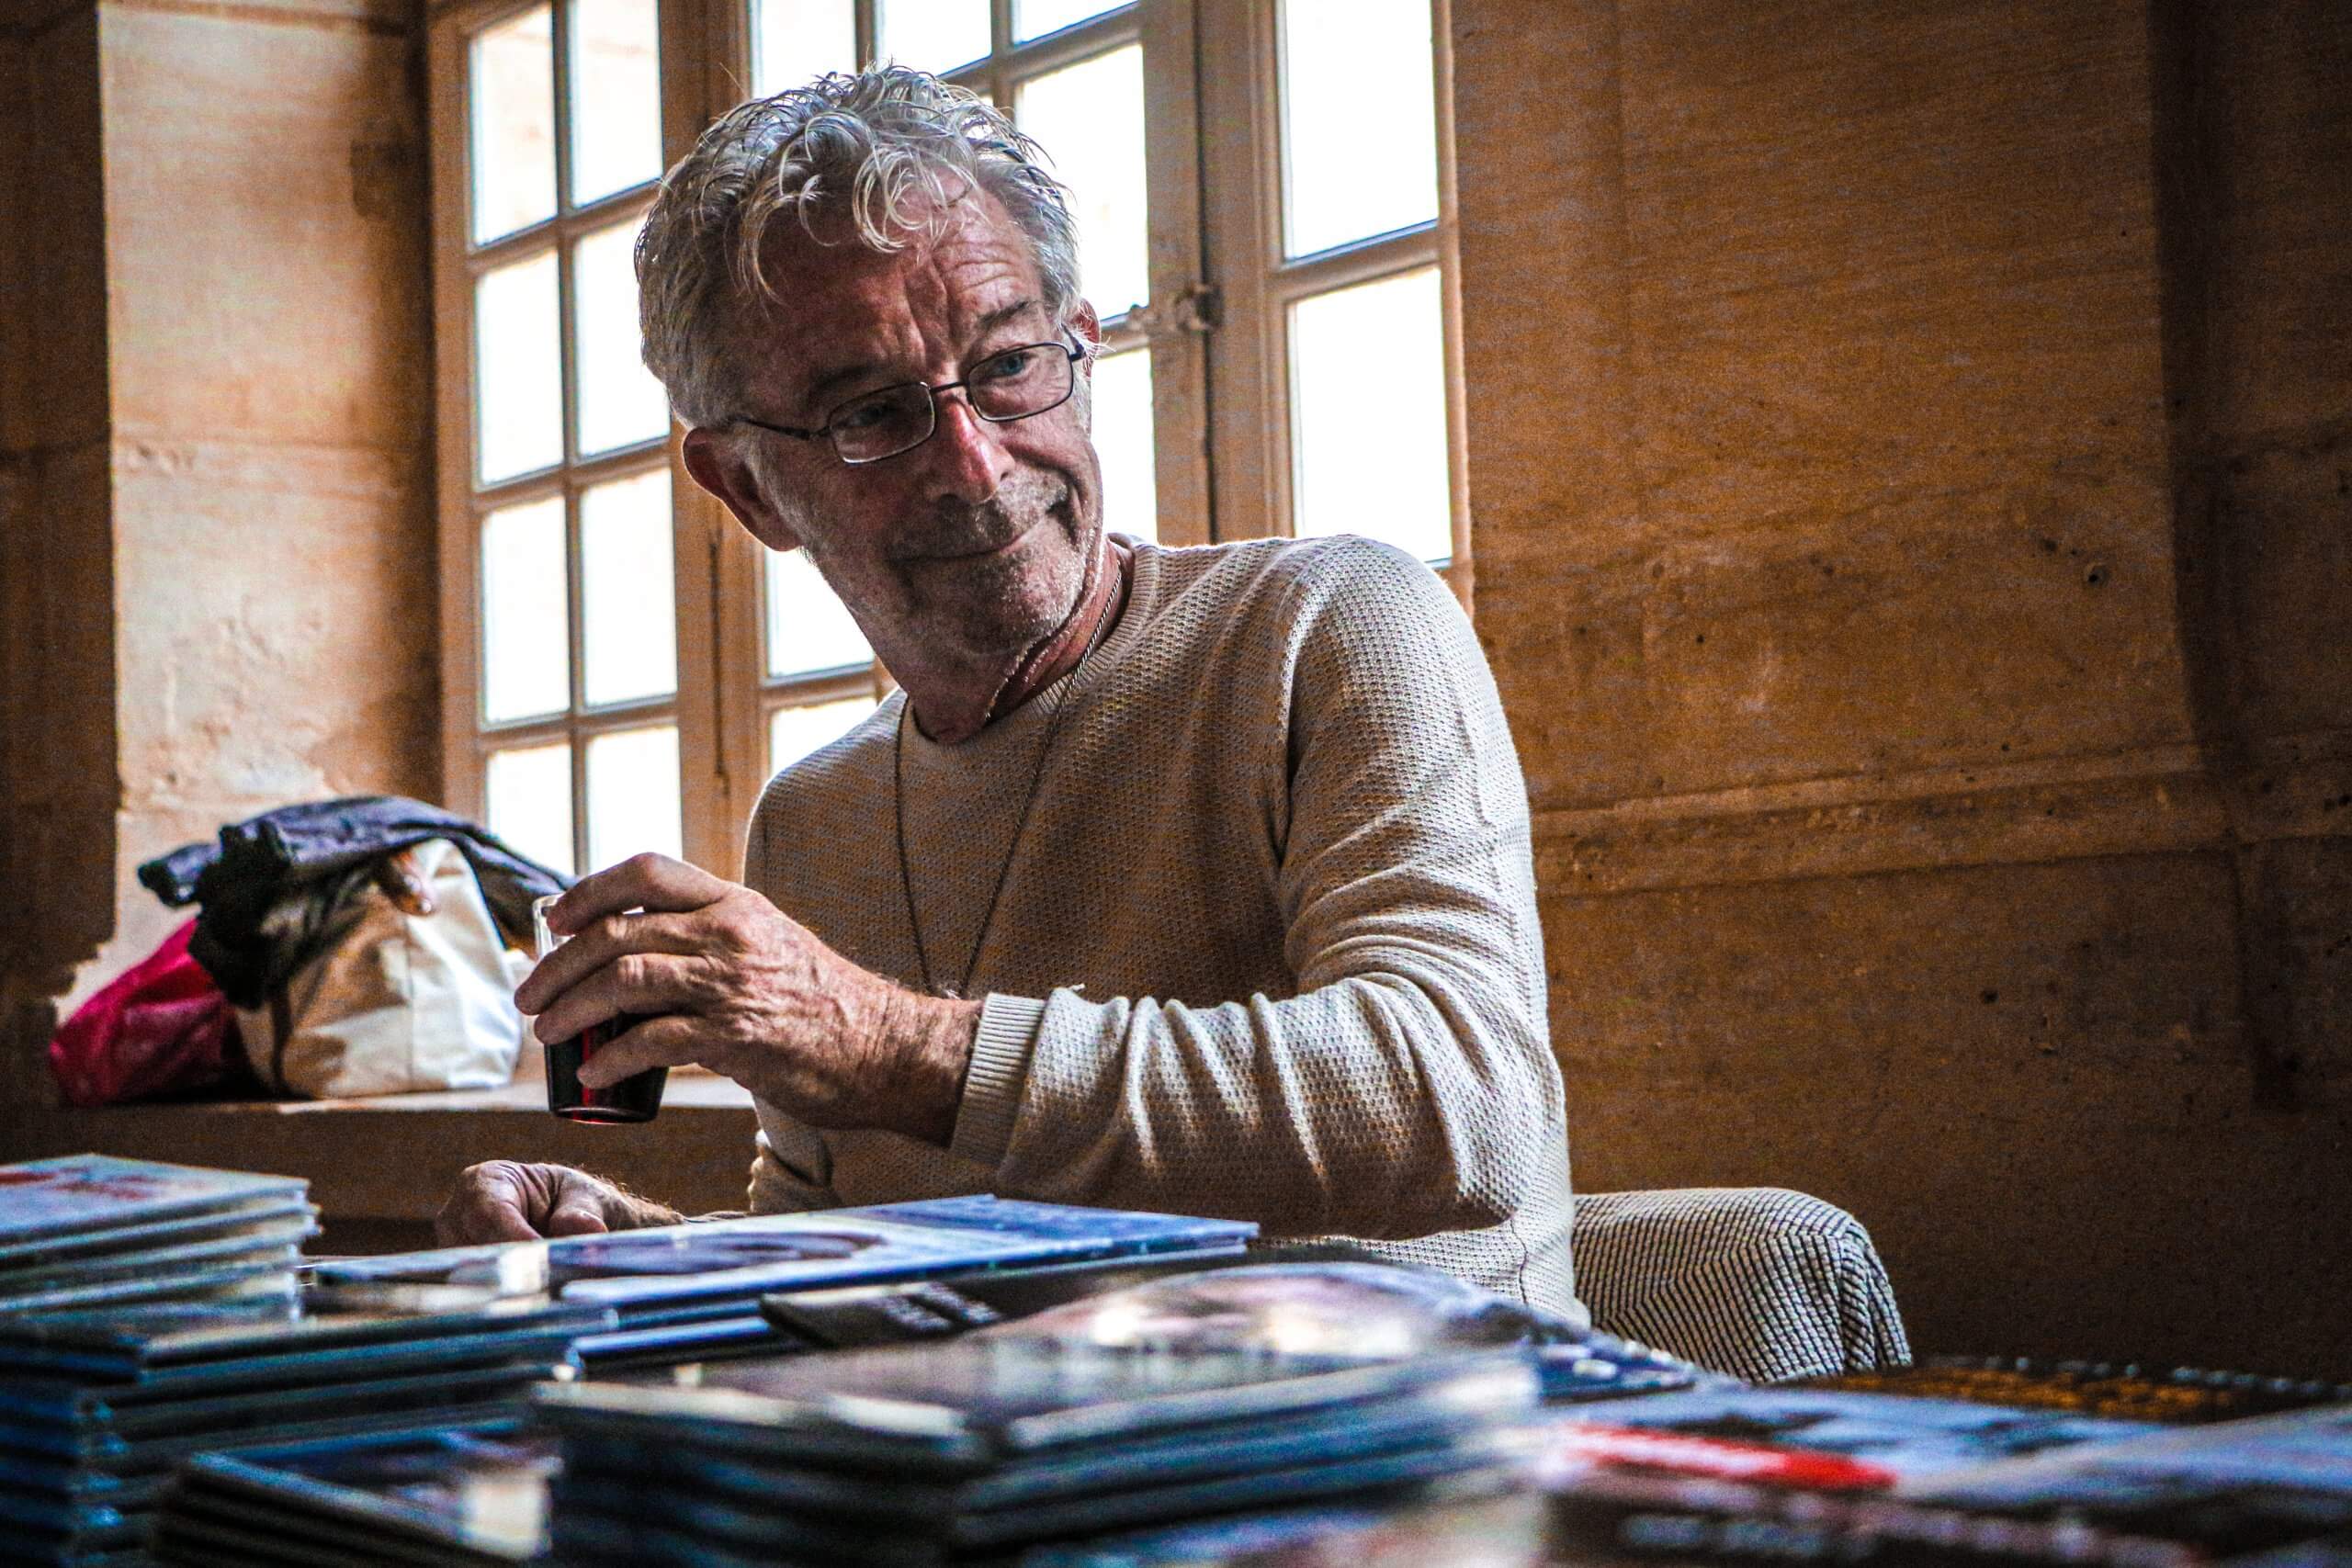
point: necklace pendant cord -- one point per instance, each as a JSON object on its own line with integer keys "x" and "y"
{"x": 1065, "y": 697}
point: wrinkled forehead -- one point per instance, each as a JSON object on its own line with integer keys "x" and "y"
{"x": 831, "y": 294}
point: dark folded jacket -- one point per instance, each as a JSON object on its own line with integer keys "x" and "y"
{"x": 272, "y": 886}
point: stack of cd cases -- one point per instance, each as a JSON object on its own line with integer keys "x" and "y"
{"x": 91, "y": 1230}
{"x": 690, "y": 1293}
{"x": 96, "y": 1406}
{"x": 469, "y": 1497}
{"x": 975, "y": 1449}
{"x": 1334, "y": 1299}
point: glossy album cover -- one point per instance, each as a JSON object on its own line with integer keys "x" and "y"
{"x": 2233, "y": 1487}
{"x": 277, "y": 1242}
{"x": 234, "y": 1219}
{"x": 2167, "y": 1395}
{"x": 967, "y": 1404}
{"x": 289, "y": 1337}
{"x": 79, "y": 1194}
{"x": 480, "y": 1490}
{"x": 1364, "y": 1310}
{"x": 772, "y": 1252}
{"x": 1891, "y": 1434}
{"x": 1371, "y": 1310}
{"x": 1103, "y": 1231}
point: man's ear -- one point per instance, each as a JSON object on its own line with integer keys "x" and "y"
{"x": 1089, "y": 328}
{"x": 719, "y": 469}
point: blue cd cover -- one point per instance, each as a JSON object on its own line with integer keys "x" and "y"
{"x": 268, "y": 1274}
{"x": 280, "y": 1239}
{"x": 968, "y": 1406}
{"x": 75, "y": 1195}
{"x": 1373, "y": 1309}
{"x": 168, "y": 1344}
{"x": 237, "y": 1219}
{"x": 780, "y": 1252}
{"x": 1102, "y": 1232}
{"x": 479, "y": 1490}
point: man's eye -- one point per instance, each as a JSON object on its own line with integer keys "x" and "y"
{"x": 1007, "y": 367}
{"x": 866, "y": 415}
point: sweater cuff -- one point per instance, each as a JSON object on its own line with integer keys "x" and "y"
{"x": 992, "y": 1083}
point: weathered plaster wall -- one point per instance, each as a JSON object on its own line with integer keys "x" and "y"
{"x": 274, "y": 544}
{"x": 1907, "y": 454}
{"x": 249, "y": 599}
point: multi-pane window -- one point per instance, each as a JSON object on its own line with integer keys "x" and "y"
{"x": 1327, "y": 190}
{"x": 1261, "y": 199}
{"x": 557, "y": 505}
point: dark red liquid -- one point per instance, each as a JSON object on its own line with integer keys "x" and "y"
{"x": 635, "y": 1099}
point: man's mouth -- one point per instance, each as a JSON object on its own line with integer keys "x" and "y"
{"x": 996, "y": 529}
{"x": 986, "y": 551}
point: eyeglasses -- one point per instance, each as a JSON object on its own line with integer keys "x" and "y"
{"x": 1017, "y": 383}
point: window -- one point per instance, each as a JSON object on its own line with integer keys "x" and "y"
{"x": 556, "y": 503}
{"x": 1336, "y": 376}
{"x": 623, "y": 666}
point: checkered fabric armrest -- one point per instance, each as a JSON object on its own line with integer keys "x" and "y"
{"x": 1758, "y": 1282}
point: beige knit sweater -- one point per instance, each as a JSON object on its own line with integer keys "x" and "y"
{"x": 1267, "y": 947}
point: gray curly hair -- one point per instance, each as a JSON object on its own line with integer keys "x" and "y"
{"x": 892, "y": 148}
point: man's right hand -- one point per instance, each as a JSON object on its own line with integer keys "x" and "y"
{"x": 502, "y": 1200}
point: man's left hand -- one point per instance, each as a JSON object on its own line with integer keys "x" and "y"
{"x": 716, "y": 975}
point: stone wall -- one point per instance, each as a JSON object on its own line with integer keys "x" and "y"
{"x": 222, "y": 557}
{"x": 57, "y": 608}
{"x": 1908, "y": 452}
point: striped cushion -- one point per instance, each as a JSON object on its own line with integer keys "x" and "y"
{"x": 1758, "y": 1282}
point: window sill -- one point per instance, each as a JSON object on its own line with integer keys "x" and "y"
{"x": 379, "y": 1167}
{"x": 690, "y": 1093}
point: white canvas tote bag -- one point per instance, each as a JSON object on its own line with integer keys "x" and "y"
{"x": 416, "y": 992}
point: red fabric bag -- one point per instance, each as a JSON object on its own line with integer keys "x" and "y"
{"x": 161, "y": 1028}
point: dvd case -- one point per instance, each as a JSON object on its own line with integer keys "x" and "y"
{"x": 97, "y": 1406}
{"x": 236, "y": 1219}
{"x": 81, "y": 1196}
{"x": 170, "y": 1343}
{"x": 2167, "y": 1395}
{"x": 1371, "y": 1310}
{"x": 2259, "y": 1484}
{"x": 92, "y": 1231}
{"x": 994, "y": 1440}
{"x": 1892, "y": 1435}
{"x": 743, "y": 1258}
{"x": 466, "y": 1495}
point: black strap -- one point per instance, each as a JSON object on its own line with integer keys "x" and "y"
{"x": 282, "y": 1024}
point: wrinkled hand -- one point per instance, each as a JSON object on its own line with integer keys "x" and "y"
{"x": 720, "y": 976}
{"x": 502, "y": 1200}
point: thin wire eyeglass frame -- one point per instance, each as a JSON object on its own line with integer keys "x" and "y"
{"x": 1071, "y": 353}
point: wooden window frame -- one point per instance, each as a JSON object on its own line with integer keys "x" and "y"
{"x": 469, "y": 737}
{"x": 1251, "y": 375}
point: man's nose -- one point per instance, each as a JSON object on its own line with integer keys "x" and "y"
{"x": 969, "y": 462}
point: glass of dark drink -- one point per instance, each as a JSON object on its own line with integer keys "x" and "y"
{"x": 636, "y": 1098}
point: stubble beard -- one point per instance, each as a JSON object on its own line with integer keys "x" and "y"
{"x": 998, "y": 607}
{"x": 969, "y": 612}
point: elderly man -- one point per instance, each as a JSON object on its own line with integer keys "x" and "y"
{"x": 1188, "y": 880}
